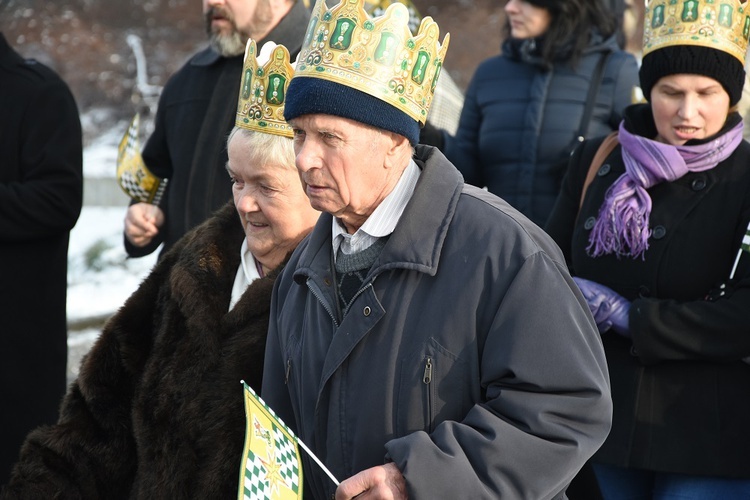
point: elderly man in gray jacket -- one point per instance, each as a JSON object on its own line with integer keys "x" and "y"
{"x": 426, "y": 340}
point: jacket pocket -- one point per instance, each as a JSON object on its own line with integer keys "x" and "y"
{"x": 292, "y": 364}
{"x": 433, "y": 387}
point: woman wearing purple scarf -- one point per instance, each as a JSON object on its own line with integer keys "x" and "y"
{"x": 654, "y": 243}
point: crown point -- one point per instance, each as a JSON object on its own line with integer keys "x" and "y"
{"x": 263, "y": 90}
{"x": 717, "y": 25}
{"x": 345, "y": 45}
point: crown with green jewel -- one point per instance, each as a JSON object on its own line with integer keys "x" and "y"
{"x": 718, "y": 24}
{"x": 263, "y": 88}
{"x": 378, "y": 56}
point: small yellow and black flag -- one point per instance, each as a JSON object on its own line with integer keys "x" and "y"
{"x": 134, "y": 177}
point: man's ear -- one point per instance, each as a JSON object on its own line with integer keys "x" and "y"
{"x": 399, "y": 149}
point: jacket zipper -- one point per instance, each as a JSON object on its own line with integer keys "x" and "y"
{"x": 326, "y": 306}
{"x": 317, "y": 295}
{"x": 427, "y": 380}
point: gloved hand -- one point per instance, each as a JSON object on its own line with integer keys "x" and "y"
{"x": 610, "y": 309}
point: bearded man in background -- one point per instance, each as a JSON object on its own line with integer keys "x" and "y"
{"x": 196, "y": 112}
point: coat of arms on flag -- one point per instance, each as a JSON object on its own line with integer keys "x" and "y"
{"x": 134, "y": 177}
{"x": 271, "y": 462}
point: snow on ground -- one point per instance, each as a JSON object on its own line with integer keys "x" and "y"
{"x": 100, "y": 275}
{"x": 100, "y": 157}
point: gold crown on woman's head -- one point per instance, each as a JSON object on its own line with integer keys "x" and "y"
{"x": 718, "y": 24}
{"x": 378, "y": 56}
{"x": 263, "y": 89}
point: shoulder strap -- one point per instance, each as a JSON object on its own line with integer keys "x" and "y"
{"x": 605, "y": 148}
{"x": 596, "y": 80}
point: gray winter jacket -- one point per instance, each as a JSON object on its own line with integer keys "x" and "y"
{"x": 468, "y": 358}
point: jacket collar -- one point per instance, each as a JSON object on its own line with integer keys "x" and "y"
{"x": 529, "y": 50}
{"x": 286, "y": 33}
{"x": 418, "y": 239}
{"x": 8, "y": 54}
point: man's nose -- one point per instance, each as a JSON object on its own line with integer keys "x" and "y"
{"x": 305, "y": 158}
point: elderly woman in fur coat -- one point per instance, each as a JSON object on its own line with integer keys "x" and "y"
{"x": 157, "y": 410}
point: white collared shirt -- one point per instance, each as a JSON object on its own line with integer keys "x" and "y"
{"x": 382, "y": 221}
{"x": 247, "y": 272}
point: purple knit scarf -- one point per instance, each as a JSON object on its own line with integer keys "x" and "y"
{"x": 622, "y": 225}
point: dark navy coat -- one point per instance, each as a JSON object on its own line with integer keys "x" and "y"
{"x": 473, "y": 394}
{"x": 520, "y": 120}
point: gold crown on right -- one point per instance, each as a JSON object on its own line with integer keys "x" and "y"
{"x": 378, "y": 56}
{"x": 718, "y": 24}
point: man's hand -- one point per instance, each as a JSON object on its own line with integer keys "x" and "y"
{"x": 142, "y": 223}
{"x": 383, "y": 482}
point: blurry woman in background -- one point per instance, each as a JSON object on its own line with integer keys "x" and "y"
{"x": 525, "y": 109}
{"x": 656, "y": 250}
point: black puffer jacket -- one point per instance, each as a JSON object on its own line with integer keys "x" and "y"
{"x": 520, "y": 120}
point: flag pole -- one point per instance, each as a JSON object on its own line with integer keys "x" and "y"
{"x": 736, "y": 261}
{"x": 320, "y": 464}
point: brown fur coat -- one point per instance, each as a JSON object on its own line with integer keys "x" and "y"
{"x": 157, "y": 410}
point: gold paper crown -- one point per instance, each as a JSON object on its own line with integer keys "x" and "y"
{"x": 718, "y": 24}
{"x": 377, "y": 8}
{"x": 378, "y": 56}
{"x": 260, "y": 105}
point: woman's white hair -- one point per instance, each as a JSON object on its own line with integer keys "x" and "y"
{"x": 267, "y": 148}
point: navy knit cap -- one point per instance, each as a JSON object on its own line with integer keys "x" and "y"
{"x": 693, "y": 59}
{"x": 307, "y": 95}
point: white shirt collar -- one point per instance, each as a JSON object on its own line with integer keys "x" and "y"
{"x": 247, "y": 272}
{"x": 383, "y": 219}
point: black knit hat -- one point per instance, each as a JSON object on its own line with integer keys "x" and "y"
{"x": 314, "y": 95}
{"x": 545, "y": 4}
{"x": 693, "y": 59}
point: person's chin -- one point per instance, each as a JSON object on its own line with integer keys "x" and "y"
{"x": 227, "y": 44}
{"x": 518, "y": 32}
{"x": 256, "y": 245}
{"x": 326, "y": 206}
